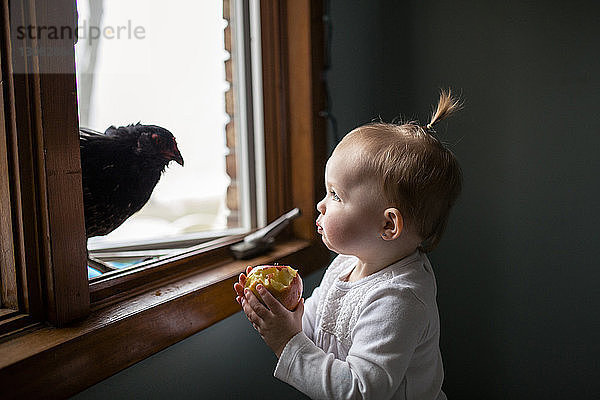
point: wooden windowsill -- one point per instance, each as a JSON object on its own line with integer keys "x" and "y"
{"x": 59, "y": 362}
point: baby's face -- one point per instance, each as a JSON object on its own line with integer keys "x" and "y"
{"x": 352, "y": 214}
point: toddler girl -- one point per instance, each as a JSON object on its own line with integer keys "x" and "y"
{"x": 371, "y": 329}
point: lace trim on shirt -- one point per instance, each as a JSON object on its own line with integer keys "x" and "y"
{"x": 341, "y": 307}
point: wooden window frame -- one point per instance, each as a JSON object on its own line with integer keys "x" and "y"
{"x": 75, "y": 334}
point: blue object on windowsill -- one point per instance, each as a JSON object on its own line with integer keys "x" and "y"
{"x": 92, "y": 273}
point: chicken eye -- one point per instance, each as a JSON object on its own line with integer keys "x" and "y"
{"x": 154, "y": 137}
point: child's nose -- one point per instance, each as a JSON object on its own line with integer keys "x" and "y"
{"x": 321, "y": 206}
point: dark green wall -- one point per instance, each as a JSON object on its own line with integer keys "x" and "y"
{"x": 518, "y": 267}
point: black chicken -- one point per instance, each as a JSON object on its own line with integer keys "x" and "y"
{"x": 120, "y": 169}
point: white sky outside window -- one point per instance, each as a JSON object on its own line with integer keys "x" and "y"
{"x": 173, "y": 77}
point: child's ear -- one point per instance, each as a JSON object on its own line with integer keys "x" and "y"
{"x": 394, "y": 224}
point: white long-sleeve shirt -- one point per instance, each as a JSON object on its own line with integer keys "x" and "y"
{"x": 376, "y": 338}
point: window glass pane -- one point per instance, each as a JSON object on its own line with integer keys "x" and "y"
{"x": 162, "y": 63}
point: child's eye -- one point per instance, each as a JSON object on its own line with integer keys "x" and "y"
{"x": 334, "y": 195}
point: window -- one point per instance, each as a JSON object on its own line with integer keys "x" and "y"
{"x": 143, "y": 310}
{"x": 185, "y": 66}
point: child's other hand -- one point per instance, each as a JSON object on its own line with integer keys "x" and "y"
{"x": 239, "y": 285}
{"x": 275, "y": 323}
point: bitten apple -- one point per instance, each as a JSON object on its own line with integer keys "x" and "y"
{"x": 282, "y": 281}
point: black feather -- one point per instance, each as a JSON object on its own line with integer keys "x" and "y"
{"x": 120, "y": 169}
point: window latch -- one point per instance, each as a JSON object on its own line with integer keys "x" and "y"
{"x": 261, "y": 241}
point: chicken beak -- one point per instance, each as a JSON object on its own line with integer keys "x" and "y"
{"x": 175, "y": 155}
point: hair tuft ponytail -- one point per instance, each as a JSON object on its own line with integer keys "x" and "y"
{"x": 447, "y": 105}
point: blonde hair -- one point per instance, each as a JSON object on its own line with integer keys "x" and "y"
{"x": 418, "y": 174}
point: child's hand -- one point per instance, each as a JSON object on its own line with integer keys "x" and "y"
{"x": 276, "y": 324}
{"x": 239, "y": 285}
